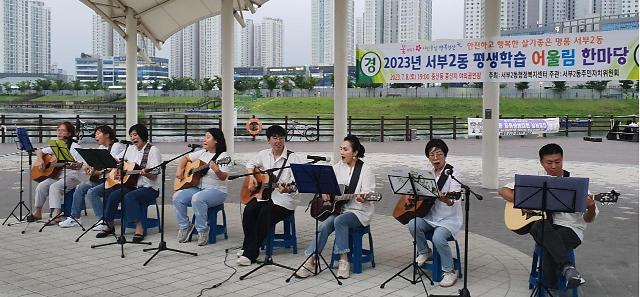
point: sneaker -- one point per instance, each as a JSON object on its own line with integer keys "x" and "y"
{"x": 449, "y": 279}
{"x": 422, "y": 258}
{"x": 183, "y": 234}
{"x": 203, "y": 237}
{"x": 69, "y": 222}
{"x": 101, "y": 226}
{"x": 244, "y": 261}
{"x": 573, "y": 277}
{"x": 239, "y": 253}
{"x": 343, "y": 269}
{"x": 307, "y": 269}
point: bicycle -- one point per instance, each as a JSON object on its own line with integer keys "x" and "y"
{"x": 84, "y": 129}
{"x": 295, "y": 128}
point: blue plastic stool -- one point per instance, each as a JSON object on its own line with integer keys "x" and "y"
{"x": 146, "y": 221}
{"x": 357, "y": 255}
{"x": 436, "y": 264}
{"x": 286, "y": 239}
{"x": 214, "y": 228}
{"x": 562, "y": 282}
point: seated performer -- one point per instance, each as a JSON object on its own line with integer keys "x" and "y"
{"x": 260, "y": 215}
{"x": 445, "y": 217}
{"x": 93, "y": 188}
{"x": 356, "y": 213}
{"x": 210, "y": 192}
{"x": 565, "y": 233}
{"x": 146, "y": 189}
{"x": 53, "y": 187}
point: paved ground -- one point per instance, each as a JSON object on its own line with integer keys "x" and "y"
{"x": 499, "y": 259}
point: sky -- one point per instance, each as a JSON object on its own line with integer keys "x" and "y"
{"x": 71, "y": 27}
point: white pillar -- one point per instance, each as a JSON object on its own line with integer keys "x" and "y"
{"x": 490, "y": 104}
{"x": 132, "y": 70}
{"x": 227, "y": 73}
{"x": 340, "y": 9}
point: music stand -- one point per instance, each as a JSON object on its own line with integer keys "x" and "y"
{"x": 24, "y": 144}
{"x": 98, "y": 159}
{"x": 420, "y": 187}
{"x": 63, "y": 155}
{"x": 316, "y": 179}
{"x": 549, "y": 193}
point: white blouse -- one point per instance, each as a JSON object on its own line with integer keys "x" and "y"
{"x": 266, "y": 160}
{"x": 76, "y": 156}
{"x": 154, "y": 159}
{"x": 443, "y": 215}
{"x": 210, "y": 179}
{"x": 366, "y": 183}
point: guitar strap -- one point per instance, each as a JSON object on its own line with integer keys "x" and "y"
{"x": 215, "y": 157}
{"x": 443, "y": 177}
{"x": 355, "y": 176}
{"x": 145, "y": 155}
{"x": 283, "y": 164}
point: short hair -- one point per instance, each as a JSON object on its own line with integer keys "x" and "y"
{"x": 141, "y": 130}
{"x": 436, "y": 143}
{"x": 217, "y": 134}
{"x": 355, "y": 145}
{"x": 104, "y": 129}
{"x": 70, "y": 128}
{"x": 276, "y": 130}
{"x": 550, "y": 149}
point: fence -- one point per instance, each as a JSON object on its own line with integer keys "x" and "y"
{"x": 191, "y": 127}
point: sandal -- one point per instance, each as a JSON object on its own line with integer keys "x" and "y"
{"x": 137, "y": 238}
{"x": 31, "y": 218}
{"x": 105, "y": 232}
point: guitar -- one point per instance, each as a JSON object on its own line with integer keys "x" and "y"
{"x": 51, "y": 168}
{"x": 321, "y": 210}
{"x": 516, "y": 219}
{"x": 130, "y": 179}
{"x": 405, "y": 209}
{"x": 266, "y": 185}
{"x": 193, "y": 173}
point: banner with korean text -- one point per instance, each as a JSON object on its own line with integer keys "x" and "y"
{"x": 508, "y": 127}
{"x": 611, "y": 55}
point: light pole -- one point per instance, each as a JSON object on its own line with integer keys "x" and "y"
{"x": 540, "y": 90}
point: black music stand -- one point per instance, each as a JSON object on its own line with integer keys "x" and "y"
{"x": 549, "y": 193}
{"x": 24, "y": 145}
{"x": 316, "y": 179}
{"x": 98, "y": 159}
{"x": 420, "y": 187}
{"x": 63, "y": 155}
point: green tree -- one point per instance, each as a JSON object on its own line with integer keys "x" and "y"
{"x": 626, "y": 85}
{"x": 207, "y": 84}
{"x": 154, "y": 84}
{"x": 311, "y": 82}
{"x": 522, "y": 86}
{"x": 271, "y": 82}
{"x": 599, "y": 86}
{"x": 6, "y": 87}
{"x": 559, "y": 86}
{"x": 23, "y": 86}
{"x": 286, "y": 84}
{"x": 43, "y": 84}
{"x": 218, "y": 82}
{"x": 76, "y": 85}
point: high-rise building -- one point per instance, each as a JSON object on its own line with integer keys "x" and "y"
{"x": 393, "y": 21}
{"x": 108, "y": 42}
{"x": 513, "y": 13}
{"x": 414, "y": 20}
{"x": 322, "y": 24}
{"x": 359, "y": 30}
{"x": 25, "y": 36}
{"x": 195, "y": 50}
{"x": 245, "y": 40}
{"x": 271, "y": 40}
{"x": 373, "y": 21}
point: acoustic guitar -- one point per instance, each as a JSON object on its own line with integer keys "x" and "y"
{"x": 130, "y": 178}
{"x": 321, "y": 210}
{"x": 405, "y": 209}
{"x": 51, "y": 168}
{"x": 266, "y": 185}
{"x": 193, "y": 173}
{"x": 516, "y": 219}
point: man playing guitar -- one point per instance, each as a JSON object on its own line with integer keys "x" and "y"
{"x": 260, "y": 215}
{"x": 565, "y": 233}
{"x": 445, "y": 217}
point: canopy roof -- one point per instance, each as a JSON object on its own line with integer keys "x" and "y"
{"x": 159, "y": 19}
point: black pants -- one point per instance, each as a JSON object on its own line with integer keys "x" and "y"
{"x": 257, "y": 220}
{"x": 558, "y": 240}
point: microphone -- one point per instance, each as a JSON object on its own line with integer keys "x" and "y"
{"x": 319, "y": 158}
{"x": 127, "y": 142}
{"x": 194, "y": 146}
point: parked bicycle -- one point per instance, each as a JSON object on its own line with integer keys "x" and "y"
{"x": 85, "y": 130}
{"x": 295, "y": 128}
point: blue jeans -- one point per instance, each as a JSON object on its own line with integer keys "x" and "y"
{"x": 341, "y": 224}
{"x": 78, "y": 198}
{"x": 95, "y": 195}
{"x": 201, "y": 200}
{"x": 439, "y": 239}
{"x": 134, "y": 199}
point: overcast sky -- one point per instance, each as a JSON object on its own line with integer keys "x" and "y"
{"x": 71, "y": 27}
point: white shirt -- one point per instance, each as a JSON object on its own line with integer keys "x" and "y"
{"x": 265, "y": 160}
{"x": 154, "y": 159}
{"x": 210, "y": 179}
{"x": 76, "y": 156}
{"x": 116, "y": 149}
{"x": 443, "y": 215}
{"x": 366, "y": 183}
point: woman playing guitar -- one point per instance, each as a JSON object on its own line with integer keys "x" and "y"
{"x": 211, "y": 190}
{"x": 93, "y": 188}
{"x": 445, "y": 217}
{"x": 53, "y": 186}
{"x": 356, "y": 213}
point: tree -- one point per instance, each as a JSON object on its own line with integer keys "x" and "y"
{"x": 559, "y": 86}
{"x": 24, "y": 86}
{"x": 477, "y": 85}
{"x": 271, "y": 82}
{"x": 599, "y": 86}
{"x": 218, "y": 82}
{"x": 154, "y": 84}
{"x": 6, "y": 87}
{"x": 626, "y": 85}
{"x": 522, "y": 86}
{"x": 286, "y": 84}
{"x": 207, "y": 84}
{"x": 43, "y": 84}
{"x": 76, "y": 85}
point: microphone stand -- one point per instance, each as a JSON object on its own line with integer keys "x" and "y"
{"x": 20, "y": 204}
{"x": 162, "y": 245}
{"x": 464, "y": 292}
